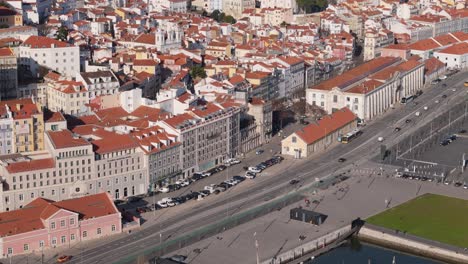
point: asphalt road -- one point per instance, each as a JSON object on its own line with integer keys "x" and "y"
{"x": 207, "y": 212}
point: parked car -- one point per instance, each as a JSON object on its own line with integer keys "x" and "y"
{"x": 239, "y": 178}
{"x": 408, "y": 121}
{"x": 444, "y": 96}
{"x": 255, "y": 169}
{"x": 397, "y": 129}
{"x": 341, "y": 160}
{"x": 258, "y": 152}
{"x": 458, "y": 184}
{"x": 164, "y": 203}
{"x": 221, "y": 167}
{"x": 204, "y": 193}
{"x": 250, "y": 175}
{"x": 178, "y": 258}
{"x": 197, "y": 176}
{"x": 119, "y": 202}
{"x": 452, "y": 137}
{"x": 230, "y": 183}
{"x": 185, "y": 182}
{"x": 134, "y": 199}
{"x": 211, "y": 188}
{"x": 224, "y": 185}
{"x": 141, "y": 210}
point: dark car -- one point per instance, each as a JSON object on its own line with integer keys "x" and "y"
{"x": 197, "y": 176}
{"x": 141, "y": 210}
{"x": 292, "y": 182}
{"x": 239, "y": 178}
{"x": 119, "y": 202}
{"x": 212, "y": 171}
{"x": 134, "y": 199}
{"x": 452, "y": 137}
{"x": 445, "y": 142}
{"x": 458, "y": 184}
{"x": 463, "y": 131}
{"x": 444, "y": 96}
{"x": 341, "y": 160}
{"x": 397, "y": 129}
{"x": 224, "y": 185}
{"x": 408, "y": 121}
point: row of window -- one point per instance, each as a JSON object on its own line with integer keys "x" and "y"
{"x": 63, "y": 240}
{"x": 47, "y": 183}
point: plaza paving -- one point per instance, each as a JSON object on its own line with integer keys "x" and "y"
{"x": 361, "y": 197}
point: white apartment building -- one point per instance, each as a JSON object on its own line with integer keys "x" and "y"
{"x": 162, "y": 155}
{"x": 99, "y": 83}
{"x": 71, "y": 168}
{"x": 455, "y": 56}
{"x": 293, "y": 71}
{"x": 209, "y": 134}
{"x": 52, "y": 54}
{"x": 179, "y": 6}
{"x": 288, "y": 4}
{"x": 369, "y": 89}
{"x": 6, "y": 130}
{"x": 73, "y": 97}
{"x": 236, "y": 7}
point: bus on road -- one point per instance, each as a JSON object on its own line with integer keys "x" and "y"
{"x": 350, "y": 136}
{"x": 407, "y": 99}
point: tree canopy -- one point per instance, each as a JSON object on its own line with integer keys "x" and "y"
{"x": 62, "y": 34}
{"x": 311, "y": 6}
{"x": 197, "y": 71}
{"x": 219, "y": 16}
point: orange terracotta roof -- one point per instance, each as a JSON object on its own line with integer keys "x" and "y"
{"x": 31, "y": 165}
{"x": 432, "y": 65}
{"x": 425, "y": 44}
{"x": 108, "y": 143}
{"x": 39, "y": 42}
{"x": 6, "y": 52}
{"x": 51, "y": 117}
{"x": 456, "y": 49}
{"x": 32, "y": 216}
{"x": 205, "y": 110}
{"x": 178, "y": 120}
{"x": 65, "y": 139}
{"x": 326, "y": 126}
{"x": 145, "y": 62}
{"x": 91, "y": 206}
{"x": 365, "y": 87}
{"x": 358, "y": 73}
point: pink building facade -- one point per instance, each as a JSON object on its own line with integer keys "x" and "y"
{"x": 44, "y": 224}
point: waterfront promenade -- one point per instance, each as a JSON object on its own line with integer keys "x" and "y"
{"x": 360, "y": 196}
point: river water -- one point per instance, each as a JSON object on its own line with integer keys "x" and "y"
{"x": 359, "y": 253}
